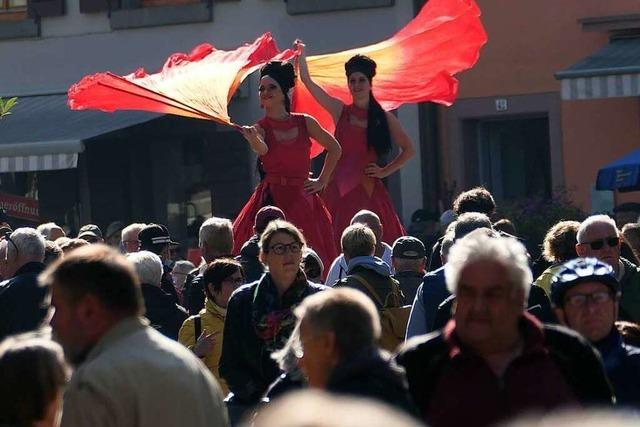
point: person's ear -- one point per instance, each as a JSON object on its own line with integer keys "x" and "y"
{"x": 89, "y": 311}
{"x": 581, "y": 250}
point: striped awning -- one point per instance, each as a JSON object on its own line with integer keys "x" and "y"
{"x": 43, "y": 162}
{"x": 613, "y": 71}
{"x": 42, "y": 133}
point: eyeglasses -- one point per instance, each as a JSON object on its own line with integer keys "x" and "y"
{"x": 236, "y": 282}
{"x": 581, "y": 300}
{"x": 596, "y": 245}
{"x": 7, "y": 237}
{"x": 281, "y": 249}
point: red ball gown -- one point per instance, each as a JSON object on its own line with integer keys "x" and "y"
{"x": 350, "y": 190}
{"x": 286, "y": 166}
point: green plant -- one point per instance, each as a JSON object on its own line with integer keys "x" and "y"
{"x": 6, "y": 105}
{"x": 533, "y": 216}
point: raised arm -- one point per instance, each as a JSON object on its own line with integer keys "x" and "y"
{"x": 334, "y": 151}
{"x": 402, "y": 140}
{"x": 332, "y": 105}
{"x": 255, "y": 136}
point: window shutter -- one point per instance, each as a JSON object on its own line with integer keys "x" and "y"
{"x": 93, "y": 6}
{"x": 46, "y": 8}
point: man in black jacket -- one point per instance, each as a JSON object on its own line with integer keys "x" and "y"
{"x": 163, "y": 313}
{"x": 155, "y": 238}
{"x": 215, "y": 239}
{"x": 338, "y": 331}
{"x": 22, "y": 300}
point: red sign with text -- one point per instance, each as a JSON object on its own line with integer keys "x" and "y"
{"x": 20, "y": 207}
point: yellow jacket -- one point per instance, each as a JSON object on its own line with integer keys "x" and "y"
{"x": 212, "y": 320}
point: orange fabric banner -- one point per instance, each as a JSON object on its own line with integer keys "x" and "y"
{"x": 417, "y": 64}
{"x": 199, "y": 84}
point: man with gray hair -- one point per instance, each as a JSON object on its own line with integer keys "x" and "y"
{"x": 129, "y": 237}
{"x": 433, "y": 290}
{"x": 338, "y": 331}
{"x": 22, "y": 300}
{"x": 494, "y": 350}
{"x": 51, "y": 231}
{"x": 338, "y": 269}
{"x": 599, "y": 237}
{"x": 160, "y": 308}
{"x": 215, "y": 239}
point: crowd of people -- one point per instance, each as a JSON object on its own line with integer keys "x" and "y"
{"x": 151, "y": 341}
{"x": 275, "y": 326}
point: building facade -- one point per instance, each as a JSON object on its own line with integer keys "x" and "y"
{"x": 133, "y": 166}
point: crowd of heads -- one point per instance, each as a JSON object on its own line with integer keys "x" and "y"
{"x": 487, "y": 270}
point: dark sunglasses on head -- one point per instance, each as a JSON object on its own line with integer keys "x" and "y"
{"x": 599, "y": 244}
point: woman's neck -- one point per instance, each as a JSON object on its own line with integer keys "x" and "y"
{"x": 362, "y": 103}
{"x": 282, "y": 283}
{"x": 278, "y": 113}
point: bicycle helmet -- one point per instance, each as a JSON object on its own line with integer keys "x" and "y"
{"x": 581, "y": 270}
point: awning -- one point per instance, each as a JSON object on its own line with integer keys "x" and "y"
{"x": 42, "y": 133}
{"x": 613, "y": 71}
{"x": 622, "y": 174}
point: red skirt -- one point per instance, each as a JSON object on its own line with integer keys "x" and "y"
{"x": 343, "y": 208}
{"x": 305, "y": 211}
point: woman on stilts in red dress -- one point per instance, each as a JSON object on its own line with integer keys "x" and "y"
{"x": 366, "y": 133}
{"x": 282, "y": 141}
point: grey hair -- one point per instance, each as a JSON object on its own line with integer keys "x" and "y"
{"x": 136, "y": 226}
{"x": 218, "y": 234}
{"x": 183, "y": 266}
{"x": 45, "y": 229}
{"x": 594, "y": 219}
{"x": 481, "y": 247}
{"x": 447, "y": 242}
{"x": 287, "y": 356}
{"x": 348, "y": 313}
{"x": 148, "y": 267}
{"x": 29, "y": 242}
{"x": 467, "y": 222}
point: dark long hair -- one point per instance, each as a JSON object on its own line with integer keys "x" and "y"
{"x": 378, "y": 135}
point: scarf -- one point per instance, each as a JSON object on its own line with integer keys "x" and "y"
{"x": 272, "y": 317}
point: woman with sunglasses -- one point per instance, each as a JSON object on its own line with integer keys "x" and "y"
{"x": 282, "y": 141}
{"x": 260, "y": 317}
{"x": 221, "y": 278}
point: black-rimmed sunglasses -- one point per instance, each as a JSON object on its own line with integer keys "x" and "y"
{"x": 596, "y": 245}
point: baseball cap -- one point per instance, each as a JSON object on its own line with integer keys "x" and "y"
{"x": 265, "y": 215}
{"x": 154, "y": 235}
{"x": 581, "y": 270}
{"x": 408, "y": 247}
{"x": 90, "y": 230}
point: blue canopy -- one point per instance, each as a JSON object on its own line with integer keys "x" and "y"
{"x": 622, "y": 175}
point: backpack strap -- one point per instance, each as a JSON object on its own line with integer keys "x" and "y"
{"x": 369, "y": 288}
{"x": 197, "y": 326}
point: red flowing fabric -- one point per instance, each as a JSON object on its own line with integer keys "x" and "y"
{"x": 417, "y": 64}
{"x": 199, "y": 84}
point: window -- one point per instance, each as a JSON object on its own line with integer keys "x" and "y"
{"x": 12, "y": 5}
{"x": 295, "y": 7}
